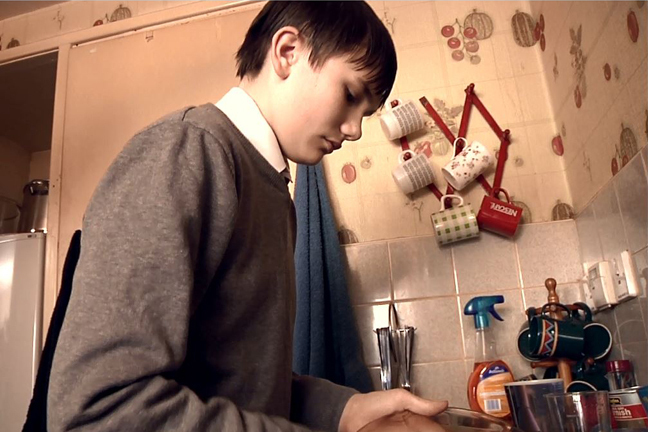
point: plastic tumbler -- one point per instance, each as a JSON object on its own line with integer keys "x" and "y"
{"x": 580, "y": 411}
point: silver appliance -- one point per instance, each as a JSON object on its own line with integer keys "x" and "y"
{"x": 33, "y": 217}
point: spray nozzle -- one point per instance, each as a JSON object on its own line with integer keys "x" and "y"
{"x": 480, "y": 307}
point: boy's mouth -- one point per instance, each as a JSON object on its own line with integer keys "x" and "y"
{"x": 333, "y": 145}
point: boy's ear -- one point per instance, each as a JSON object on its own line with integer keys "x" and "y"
{"x": 285, "y": 49}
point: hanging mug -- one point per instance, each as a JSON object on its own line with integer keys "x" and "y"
{"x": 454, "y": 224}
{"x": 414, "y": 173}
{"x": 499, "y": 216}
{"x": 401, "y": 120}
{"x": 469, "y": 164}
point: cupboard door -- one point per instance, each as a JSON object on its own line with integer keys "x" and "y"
{"x": 118, "y": 86}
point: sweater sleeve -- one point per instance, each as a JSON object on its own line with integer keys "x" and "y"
{"x": 153, "y": 235}
{"x": 318, "y": 403}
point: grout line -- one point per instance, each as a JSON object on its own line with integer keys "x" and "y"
{"x": 461, "y": 328}
{"x": 391, "y": 278}
{"x": 442, "y": 296}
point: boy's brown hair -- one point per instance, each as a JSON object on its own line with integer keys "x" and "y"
{"x": 330, "y": 29}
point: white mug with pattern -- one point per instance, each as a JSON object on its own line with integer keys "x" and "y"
{"x": 401, "y": 120}
{"x": 456, "y": 223}
{"x": 465, "y": 167}
{"x": 414, "y": 173}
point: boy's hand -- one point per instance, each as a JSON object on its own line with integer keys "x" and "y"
{"x": 362, "y": 409}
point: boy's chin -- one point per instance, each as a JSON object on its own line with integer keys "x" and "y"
{"x": 310, "y": 159}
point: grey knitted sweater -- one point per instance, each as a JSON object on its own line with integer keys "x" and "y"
{"x": 183, "y": 301}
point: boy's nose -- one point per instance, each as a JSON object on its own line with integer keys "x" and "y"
{"x": 352, "y": 130}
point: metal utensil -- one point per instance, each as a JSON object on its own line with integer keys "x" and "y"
{"x": 385, "y": 351}
{"x": 404, "y": 342}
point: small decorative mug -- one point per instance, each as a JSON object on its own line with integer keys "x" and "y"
{"x": 414, "y": 173}
{"x": 401, "y": 120}
{"x": 454, "y": 224}
{"x": 465, "y": 167}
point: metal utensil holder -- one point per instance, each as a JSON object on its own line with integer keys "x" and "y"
{"x": 395, "y": 346}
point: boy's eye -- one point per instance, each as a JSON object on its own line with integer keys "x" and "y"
{"x": 349, "y": 96}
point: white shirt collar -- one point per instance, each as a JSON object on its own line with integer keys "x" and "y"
{"x": 243, "y": 111}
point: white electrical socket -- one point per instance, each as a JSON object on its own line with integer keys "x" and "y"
{"x": 600, "y": 283}
{"x": 633, "y": 287}
{"x": 607, "y": 285}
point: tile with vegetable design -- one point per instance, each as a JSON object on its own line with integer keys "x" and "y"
{"x": 15, "y": 32}
{"x": 544, "y": 156}
{"x": 554, "y": 14}
{"x": 332, "y": 166}
{"x": 555, "y": 199}
{"x": 375, "y": 167}
{"x": 580, "y": 180}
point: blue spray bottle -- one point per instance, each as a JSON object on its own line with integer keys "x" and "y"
{"x": 486, "y": 383}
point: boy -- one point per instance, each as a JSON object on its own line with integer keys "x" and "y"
{"x": 182, "y": 307}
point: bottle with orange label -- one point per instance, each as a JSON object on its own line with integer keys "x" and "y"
{"x": 486, "y": 383}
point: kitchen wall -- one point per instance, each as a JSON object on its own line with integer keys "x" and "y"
{"x": 508, "y": 78}
{"x": 616, "y": 220}
{"x": 72, "y": 16}
{"x": 597, "y": 77}
{"x": 397, "y": 259}
{"x": 430, "y": 286}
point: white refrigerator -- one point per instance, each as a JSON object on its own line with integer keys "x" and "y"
{"x": 22, "y": 262}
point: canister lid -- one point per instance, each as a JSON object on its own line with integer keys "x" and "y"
{"x": 37, "y": 187}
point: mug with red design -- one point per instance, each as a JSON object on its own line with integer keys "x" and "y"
{"x": 500, "y": 217}
{"x": 465, "y": 167}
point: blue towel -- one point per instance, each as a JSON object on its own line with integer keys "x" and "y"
{"x": 326, "y": 342}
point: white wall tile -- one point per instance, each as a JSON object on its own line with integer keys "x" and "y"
{"x": 388, "y": 216}
{"x": 641, "y": 263}
{"x": 609, "y": 224}
{"x": 632, "y": 191}
{"x": 420, "y": 268}
{"x": 533, "y": 93}
{"x": 485, "y": 265}
{"x": 418, "y": 68}
{"x": 553, "y": 190}
{"x": 414, "y": 24}
{"x": 568, "y": 293}
{"x": 369, "y": 318}
{"x": 438, "y": 332}
{"x": 368, "y": 276}
{"x": 441, "y": 381}
{"x": 590, "y": 245}
{"x": 549, "y": 250}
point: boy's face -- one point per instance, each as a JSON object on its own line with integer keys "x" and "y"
{"x": 322, "y": 108}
